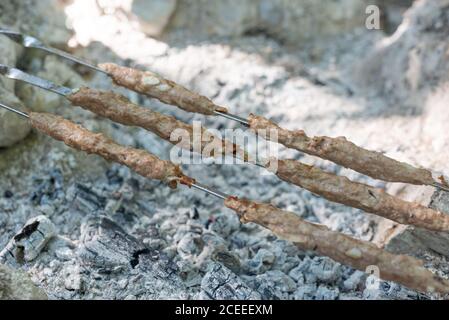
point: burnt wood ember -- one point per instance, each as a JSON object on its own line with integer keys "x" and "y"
{"x": 358, "y": 195}
{"x": 119, "y": 109}
{"x": 345, "y": 153}
{"x": 27, "y": 244}
{"x": 155, "y": 86}
{"x": 106, "y": 245}
{"x": 359, "y": 254}
{"x": 77, "y": 137}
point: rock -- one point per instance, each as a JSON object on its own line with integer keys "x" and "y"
{"x": 16, "y": 285}
{"x": 392, "y": 12}
{"x": 153, "y": 15}
{"x": 286, "y": 20}
{"x": 13, "y": 127}
{"x": 309, "y": 20}
{"x": 220, "y": 283}
{"x": 27, "y": 244}
{"x": 26, "y": 16}
{"x": 223, "y": 17}
{"x": 412, "y": 62}
{"x": 417, "y": 241}
{"x": 43, "y": 19}
{"x": 57, "y": 71}
{"x": 9, "y": 52}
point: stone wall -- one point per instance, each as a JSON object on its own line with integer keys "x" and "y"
{"x": 287, "y": 20}
{"x": 39, "y": 18}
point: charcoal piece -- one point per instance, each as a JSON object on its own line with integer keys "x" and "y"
{"x": 28, "y": 243}
{"x": 220, "y": 283}
{"x": 105, "y": 245}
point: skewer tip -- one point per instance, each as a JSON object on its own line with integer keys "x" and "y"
{"x": 441, "y": 186}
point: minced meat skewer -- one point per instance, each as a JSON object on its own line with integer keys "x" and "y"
{"x": 358, "y": 254}
{"x": 332, "y": 187}
{"x": 358, "y": 195}
{"x": 338, "y": 150}
{"x": 77, "y": 137}
{"x": 155, "y": 86}
{"x": 118, "y": 108}
{"x": 342, "y": 248}
{"x": 345, "y": 153}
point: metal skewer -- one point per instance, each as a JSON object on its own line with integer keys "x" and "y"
{"x": 16, "y": 74}
{"x": 23, "y": 114}
{"x": 232, "y": 117}
{"x": 441, "y": 186}
{"x": 31, "y": 42}
{"x": 195, "y": 185}
{"x": 210, "y": 191}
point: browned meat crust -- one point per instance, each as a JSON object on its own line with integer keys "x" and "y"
{"x": 119, "y": 109}
{"x": 342, "y": 248}
{"x": 77, "y": 137}
{"x": 346, "y": 154}
{"x": 373, "y": 200}
{"x": 154, "y": 86}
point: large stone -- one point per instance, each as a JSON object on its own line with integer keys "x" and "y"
{"x": 287, "y": 20}
{"x": 413, "y": 61}
{"x": 13, "y": 127}
{"x": 16, "y": 285}
{"x": 41, "y": 18}
{"x": 307, "y": 20}
{"x": 153, "y": 15}
{"x": 410, "y": 71}
{"x": 223, "y": 17}
{"x": 57, "y": 71}
{"x": 27, "y": 16}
